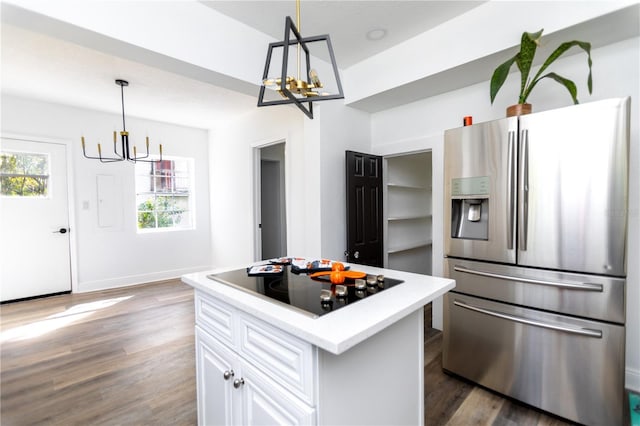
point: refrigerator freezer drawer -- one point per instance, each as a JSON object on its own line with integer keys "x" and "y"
{"x": 567, "y": 366}
{"x": 588, "y": 296}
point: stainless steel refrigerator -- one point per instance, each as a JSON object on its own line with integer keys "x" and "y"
{"x": 535, "y": 236}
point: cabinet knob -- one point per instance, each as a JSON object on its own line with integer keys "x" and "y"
{"x": 356, "y": 254}
{"x": 228, "y": 374}
{"x": 238, "y": 382}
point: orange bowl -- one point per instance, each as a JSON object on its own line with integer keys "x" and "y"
{"x": 337, "y": 277}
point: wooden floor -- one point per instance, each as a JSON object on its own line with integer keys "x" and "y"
{"x": 118, "y": 357}
{"x": 126, "y": 357}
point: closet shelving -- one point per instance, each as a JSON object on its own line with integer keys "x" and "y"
{"x": 408, "y": 227}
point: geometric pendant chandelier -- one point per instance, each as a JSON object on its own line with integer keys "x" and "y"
{"x": 290, "y": 78}
{"x": 125, "y": 149}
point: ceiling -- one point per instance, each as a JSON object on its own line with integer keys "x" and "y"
{"x": 348, "y": 23}
{"x": 41, "y": 67}
{"x": 37, "y": 65}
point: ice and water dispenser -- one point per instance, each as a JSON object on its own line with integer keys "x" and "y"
{"x": 470, "y": 208}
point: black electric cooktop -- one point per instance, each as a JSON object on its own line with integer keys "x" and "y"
{"x": 312, "y": 296}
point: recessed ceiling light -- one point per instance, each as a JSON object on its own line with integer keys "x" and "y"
{"x": 376, "y": 34}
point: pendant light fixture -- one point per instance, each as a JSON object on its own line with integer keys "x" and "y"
{"x": 300, "y": 89}
{"x": 125, "y": 151}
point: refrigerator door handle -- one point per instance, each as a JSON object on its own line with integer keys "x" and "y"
{"x": 511, "y": 187}
{"x": 566, "y": 285}
{"x": 524, "y": 137}
{"x": 515, "y": 318}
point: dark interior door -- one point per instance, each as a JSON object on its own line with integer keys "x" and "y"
{"x": 364, "y": 209}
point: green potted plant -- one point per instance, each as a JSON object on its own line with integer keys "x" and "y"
{"x": 524, "y": 59}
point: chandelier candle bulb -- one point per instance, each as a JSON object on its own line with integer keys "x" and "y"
{"x": 313, "y": 75}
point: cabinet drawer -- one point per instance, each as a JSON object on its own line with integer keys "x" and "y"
{"x": 283, "y": 357}
{"x": 215, "y": 317}
{"x": 565, "y": 365}
{"x": 587, "y": 296}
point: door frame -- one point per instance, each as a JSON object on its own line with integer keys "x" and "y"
{"x": 73, "y": 254}
{"x": 257, "y": 203}
{"x": 435, "y": 143}
{"x": 385, "y": 206}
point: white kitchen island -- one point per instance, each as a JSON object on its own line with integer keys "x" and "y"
{"x": 259, "y": 361}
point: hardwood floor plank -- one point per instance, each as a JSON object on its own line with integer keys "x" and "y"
{"x": 432, "y": 345}
{"x": 513, "y": 414}
{"x": 124, "y": 356}
{"x": 480, "y": 407}
{"x": 443, "y": 394}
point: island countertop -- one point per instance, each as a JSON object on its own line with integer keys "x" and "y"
{"x": 344, "y": 328}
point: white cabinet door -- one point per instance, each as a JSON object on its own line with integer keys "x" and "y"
{"x": 215, "y": 376}
{"x": 265, "y": 403}
{"x": 232, "y": 392}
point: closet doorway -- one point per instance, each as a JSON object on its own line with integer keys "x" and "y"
{"x": 408, "y": 221}
{"x": 271, "y": 232}
{"x": 407, "y": 212}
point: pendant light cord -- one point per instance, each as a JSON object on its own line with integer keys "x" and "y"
{"x": 124, "y": 128}
{"x": 300, "y": 32}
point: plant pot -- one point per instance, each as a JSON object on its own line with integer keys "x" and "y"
{"x": 518, "y": 109}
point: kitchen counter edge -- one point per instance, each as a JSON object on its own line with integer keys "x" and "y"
{"x": 342, "y": 329}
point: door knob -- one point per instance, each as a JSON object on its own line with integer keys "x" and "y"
{"x": 238, "y": 382}
{"x": 356, "y": 254}
{"x": 228, "y": 374}
{"x": 61, "y": 231}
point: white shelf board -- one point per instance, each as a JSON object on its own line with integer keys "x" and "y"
{"x": 406, "y": 186}
{"x": 413, "y": 217}
{"x": 399, "y": 249}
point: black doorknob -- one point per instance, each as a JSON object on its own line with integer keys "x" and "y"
{"x": 61, "y": 231}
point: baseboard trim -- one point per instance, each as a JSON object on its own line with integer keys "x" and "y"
{"x": 87, "y": 286}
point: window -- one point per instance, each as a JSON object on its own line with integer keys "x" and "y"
{"x": 164, "y": 197}
{"x": 24, "y": 174}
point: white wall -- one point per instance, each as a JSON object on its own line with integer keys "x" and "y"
{"x": 341, "y": 128}
{"x": 117, "y": 255}
{"x": 420, "y": 125}
{"x": 232, "y": 174}
{"x": 315, "y": 178}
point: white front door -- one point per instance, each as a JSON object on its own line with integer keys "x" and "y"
{"x": 34, "y": 219}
